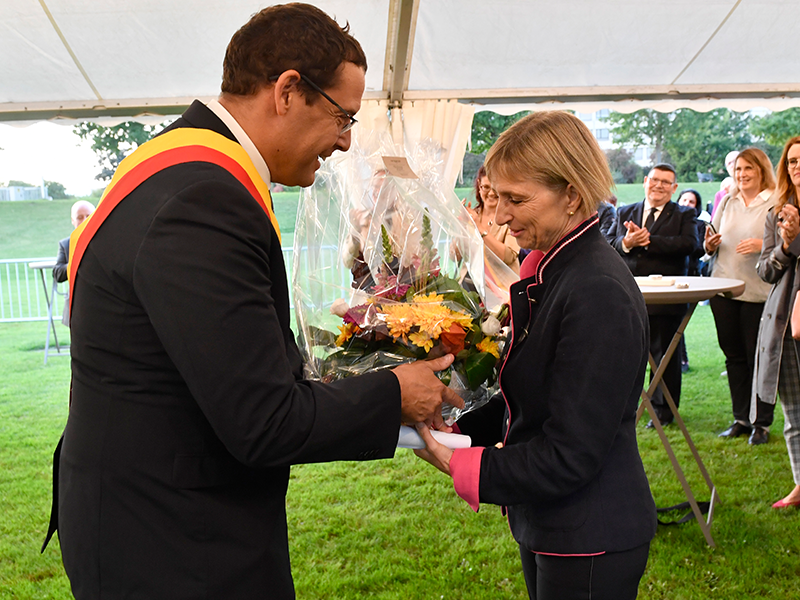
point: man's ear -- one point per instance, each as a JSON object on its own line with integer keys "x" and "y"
{"x": 285, "y": 91}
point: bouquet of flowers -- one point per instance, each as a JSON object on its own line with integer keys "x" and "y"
{"x": 380, "y": 260}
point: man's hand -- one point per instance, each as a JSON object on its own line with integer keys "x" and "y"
{"x": 422, "y": 393}
{"x": 712, "y": 241}
{"x": 636, "y": 236}
{"x": 749, "y": 245}
{"x": 435, "y": 453}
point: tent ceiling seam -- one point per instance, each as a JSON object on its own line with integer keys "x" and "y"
{"x": 708, "y": 41}
{"x": 69, "y": 48}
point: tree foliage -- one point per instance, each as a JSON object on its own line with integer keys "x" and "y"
{"x": 56, "y": 190}
{"x": 623, "y": 168}
{"x": 693, "y": 142}
{"x": 487, "y": 127}
{"x": 113, "y": 144}
{"x": 775, "y": 128}
{"x": 698, "y": 142}
{"x": 641, "y": 128}
{"x": 18, "y": 183}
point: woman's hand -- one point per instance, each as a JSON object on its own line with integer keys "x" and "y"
{"x": 788, "y": 225}
{"x": 712, "y": 241}
{"x": 435, "y": 453}
{"x": 749, "y": 245}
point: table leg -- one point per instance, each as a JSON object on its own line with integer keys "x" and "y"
{"x": 657, "y": 381}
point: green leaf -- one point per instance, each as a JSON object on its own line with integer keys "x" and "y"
{"x": 322, "y": 337}
{"x": 478, "y": 369}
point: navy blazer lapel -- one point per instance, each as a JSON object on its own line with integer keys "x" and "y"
{"x": 664, "y": 217}
{"x": 637, "y": 212}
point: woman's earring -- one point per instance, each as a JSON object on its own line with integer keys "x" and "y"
{"x": 570, "y": 213}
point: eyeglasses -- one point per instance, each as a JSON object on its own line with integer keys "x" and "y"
{"x": 793, "y": 162}
{"x": 660, "y": 182}
{"x": 349, "y": 120}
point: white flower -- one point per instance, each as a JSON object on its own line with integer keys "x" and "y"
{"x": 339, "y": 308}
{"x": 350, "y": 251}
{"x": 491, "y": 326}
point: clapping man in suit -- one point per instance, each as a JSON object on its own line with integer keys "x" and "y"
{"x": 188, "y": 402}
{"x": 657, "y": 236}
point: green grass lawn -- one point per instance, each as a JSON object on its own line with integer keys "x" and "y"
{"x": 395, "y": 529}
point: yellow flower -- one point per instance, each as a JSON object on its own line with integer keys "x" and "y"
{"x": 432, "y": 318}
{"x": 432, "y": 298}
{"x": 490, "y": 346}
{"x": 421, "y": 339}
{"x": 347, "y": 331}
{"x": 399, "y": 318}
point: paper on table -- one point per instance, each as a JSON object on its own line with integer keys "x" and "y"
{"x": 655, "y": 281}
{"x": 409, "y": 438}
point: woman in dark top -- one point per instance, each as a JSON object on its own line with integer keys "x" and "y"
{"x": 557, "y": 449}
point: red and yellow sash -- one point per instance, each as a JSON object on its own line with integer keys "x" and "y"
{"x": 175, "y": 147}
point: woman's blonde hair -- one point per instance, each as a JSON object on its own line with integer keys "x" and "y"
{"x": 761, "y": 162}
{"x": 553, "y": 149}
{"x": 787, "y": 194}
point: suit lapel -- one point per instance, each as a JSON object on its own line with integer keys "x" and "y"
{"x": 638, "y": 211}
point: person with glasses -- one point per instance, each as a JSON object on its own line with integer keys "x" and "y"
{"x": 188, "y": 402}
{"x": 658, "y": 236}
{"x": 734, "y": 243}
{"x": 777, "y": 368}
{"x": 495, "y": 237}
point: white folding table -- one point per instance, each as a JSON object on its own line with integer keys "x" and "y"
{"x": 683, "y": 290}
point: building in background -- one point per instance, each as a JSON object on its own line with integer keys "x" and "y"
{"x": 16, "y": 193}
{"x": 595, "y": 121}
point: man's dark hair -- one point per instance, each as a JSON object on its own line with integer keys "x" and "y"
{"x": 289, "y": 36}
{"x": 666, "y": 167}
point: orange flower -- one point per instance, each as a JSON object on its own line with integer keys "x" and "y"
{"x": 453, "y": 339}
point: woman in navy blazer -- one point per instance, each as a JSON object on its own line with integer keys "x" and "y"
{"x": 557, "y": 449}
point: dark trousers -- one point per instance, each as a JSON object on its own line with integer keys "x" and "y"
{"x": 611, "y": 576}
{"x": 662, "y": 330}
{"x": 737, "y": 332}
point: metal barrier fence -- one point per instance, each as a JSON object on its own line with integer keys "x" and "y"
{"x": 22, "y": 296}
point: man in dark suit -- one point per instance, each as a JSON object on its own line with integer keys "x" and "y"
{"x": 80, "y": 210}
{"x": 657, "y": 236}
{"x": 188, "y": 402}
{"x": 78, "y": 213}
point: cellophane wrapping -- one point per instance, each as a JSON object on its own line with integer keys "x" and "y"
{"x": 389, "y": 268}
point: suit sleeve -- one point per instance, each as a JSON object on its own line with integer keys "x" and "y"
{"x": 207, "y": 276}
{"x": 681, "y": 240}
{"x": 618, "y": 230}
{"x": 60, "y": 270}
{"x": 587, "y": 401}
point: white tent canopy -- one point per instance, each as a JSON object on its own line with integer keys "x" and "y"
{"x": 95, "y": 58}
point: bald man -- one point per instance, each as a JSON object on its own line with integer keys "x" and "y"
{"x": 80, "y": 210}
